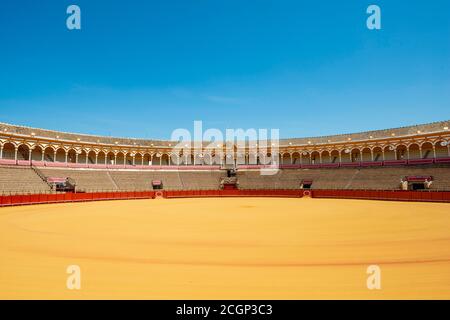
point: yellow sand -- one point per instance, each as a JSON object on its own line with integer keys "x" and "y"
{"x": 249, "y": 248}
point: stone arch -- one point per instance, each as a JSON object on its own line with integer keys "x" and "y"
{"x": 36, "y": 154}
{"x": 198, "y": 157}
{"x": 208, "y": 159}
{"x": 286, "y": 158}
{"x": 229, "y": 158}
{"x": 326, "y": 156}
{"x": 427, "y": 150}
{"x": 9, "y": 151}
{"x": 305, "y": 157}
{"x": 49, "y": 154}
{"x": 334, "y": 156}
{"x": 346, "y": 155}
{"x": 147, "y": 158}
{"x": 82, "y": 157}
{"x": 389, "y": 152}
{"x": 355, "y": 155}
{"x": 120, "y": 159}
{"x": 442, "y": 149}
{"x": 315, "y": 157}
{"x": 128, "y": 159}
{"x": 60, "y": 155}
{"x": 377, "y": 153}
{"x": 110, "y": 158}
{"x": 414, "y": 151}
{"x": 91, "y": 156}
{"x": 165, "y": 159}
{"x": 366, "y": 154}
{"x": 401, "y": 152}
{"x": 101, "y": 157}
{"x": 23, "y": 152}
{"x": 157, "y": 159}
{"x": 138, "y": 158}
{"x": 71, "y": 156}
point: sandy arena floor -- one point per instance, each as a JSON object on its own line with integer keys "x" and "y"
{"x": 237, "y": 248}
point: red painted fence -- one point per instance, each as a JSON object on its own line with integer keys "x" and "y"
{"x": 233, "y": 193}
{"x": 396, "y": 195}
{"x": 27, "y": 199}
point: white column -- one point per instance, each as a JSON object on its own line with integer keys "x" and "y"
{"x": 43, "y": 156}
{"x": 434, "y": 151}
{"x": 1, "y": 152}
{"x": 76, "y": 157}
{"x": 96, "y": 158}
{"x": 133, "y": 160}
{"x": 371, "y": 154}
{"x": 30, "y": 152}
{"x": 67, "y": 155}
{"x": 15, "y": 153}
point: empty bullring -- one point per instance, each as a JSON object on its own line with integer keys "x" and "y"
{"x": 213, "y": 230}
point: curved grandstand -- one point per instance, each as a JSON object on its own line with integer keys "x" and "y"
{"x": 35, "y": 161}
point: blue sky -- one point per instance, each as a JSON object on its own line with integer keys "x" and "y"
{"x": 145, "y": 68}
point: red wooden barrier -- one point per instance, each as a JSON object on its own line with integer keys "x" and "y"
{"x": 398, "y": 195}
{"x": 437, "y": 196}
{"x": 7, "y": 200}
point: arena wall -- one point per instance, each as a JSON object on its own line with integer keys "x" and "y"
{"x": 390, "y": 195}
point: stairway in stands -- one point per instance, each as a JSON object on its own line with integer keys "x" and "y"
{"x": 41, "y": 175}
{"x": 114, "y": 183}
{"x": 350, "y": 181}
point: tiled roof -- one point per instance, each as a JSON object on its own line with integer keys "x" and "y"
{"x": 341, "y": 138}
